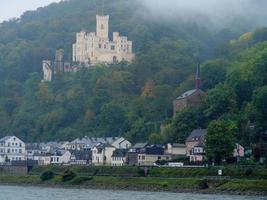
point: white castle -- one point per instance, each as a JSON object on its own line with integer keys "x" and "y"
{"x": 90, "y": 49}
{"x": 93, "y": 48}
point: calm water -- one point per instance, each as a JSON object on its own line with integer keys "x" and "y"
{"x": 36, "y": 193}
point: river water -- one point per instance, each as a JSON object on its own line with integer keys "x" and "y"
{"x": 37, "y": 193}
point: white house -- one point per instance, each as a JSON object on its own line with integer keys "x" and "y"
{"x": 42, "y": 158}
{"x": 60, "y": 157}
{"x": 12, "y": 148}
{"x": 102, "y": 154}
{"x": 121, "y": 143}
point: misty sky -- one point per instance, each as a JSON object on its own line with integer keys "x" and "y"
{"x": 14, "y": 8}
{"x": 219, "y": 11}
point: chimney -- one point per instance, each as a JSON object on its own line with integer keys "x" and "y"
{"x": 198, "y": 79}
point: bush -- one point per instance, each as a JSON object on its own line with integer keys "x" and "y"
{"x": 249, "y": 171}
{"x": 81, "y": 179}
{"x": 68, "y": 175}
{"x": 203, "y": 184}
{"x": 47, "y": 175}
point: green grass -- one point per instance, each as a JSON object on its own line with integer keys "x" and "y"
{"x": 245, "y": 185}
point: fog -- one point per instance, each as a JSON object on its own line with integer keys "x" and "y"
{"x": 218, "y": 12}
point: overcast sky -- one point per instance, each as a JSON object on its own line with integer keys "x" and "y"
{"x": 14, "y": 8}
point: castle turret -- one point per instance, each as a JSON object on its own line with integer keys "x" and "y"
{"x": 102, "y": 26}
{"x": 198, "y": 78}
{"x": 59, "y": 66}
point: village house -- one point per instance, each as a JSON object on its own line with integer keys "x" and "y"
{"x": 102, "y": 154}
{"x": 195, "y": 145}
{"x": 151, "y": 154}
{"x": 89, "y": 143}
{"x": 175, "y": 149}
{"x": 133, "y": 153}
{"x": 42, "y": 158}
{"x": 190, "y": 98}
{"x": 81, "y": 157}
{"x": 119, "y": 157}
{"x": 12, "y": 149}
{"x": 60, "y": 157}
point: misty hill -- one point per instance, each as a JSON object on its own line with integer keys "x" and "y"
{"x": 130, "y": 100}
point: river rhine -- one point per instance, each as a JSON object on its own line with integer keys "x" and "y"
{"x": 37, "y": 193}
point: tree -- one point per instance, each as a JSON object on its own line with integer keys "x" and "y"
{"x": 185, "y": 121}
{"x": 213, "y": 72}
{"x": 259, "y": 104}
{"x": 219, "y": 100}
{"x": 220, "y": 140}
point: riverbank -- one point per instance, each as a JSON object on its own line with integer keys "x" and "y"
{"x": 181, "y": 185}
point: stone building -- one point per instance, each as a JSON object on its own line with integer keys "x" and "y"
{"x": 51, "y": 68}
{"x": 92, "y": 48}
{"x": 192, "y": 97}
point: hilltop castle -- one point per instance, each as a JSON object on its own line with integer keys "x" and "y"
{"x": 92, "y": 48}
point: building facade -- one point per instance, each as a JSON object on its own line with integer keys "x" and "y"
{"x": 93, "y": 48}
{"x": 12, "y": 149}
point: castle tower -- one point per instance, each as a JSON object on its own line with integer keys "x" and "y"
{"x": 59, "y": 66}
{"x": 198, "y": 78}
{"x": 102, "y": 26}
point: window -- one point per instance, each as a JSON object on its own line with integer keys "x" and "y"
{"x": 8, "y": 150}
{"x": 112, "y": 47}
{"x": 102, "y": 26}
{"x": 100, "y": 46}
{"x": 20, "y": 150}
{"x": 159, "y": 157}
{"x": 20, "y": 144}
{"x": 8, "y": 144}
{"x": 143, "y": 157}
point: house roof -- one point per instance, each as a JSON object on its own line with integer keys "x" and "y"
{"x": 153, "y": 150}
{"x": 186, "y": 94}
{"x": 197, "y": 135}
{"x": 81, "y": 155}
{"x": 178, "y": 145}
{"x": 119, "y": 153}
{"x": 200, "y": 144}
{"x": 5, "y": 138}
{"x": 140, "y": 145}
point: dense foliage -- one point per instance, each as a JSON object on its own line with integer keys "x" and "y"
{"x": 132, "y": 100}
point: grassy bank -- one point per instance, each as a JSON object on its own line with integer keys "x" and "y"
{"x": 128, "y": 171}
{"x": 235, "y": 186}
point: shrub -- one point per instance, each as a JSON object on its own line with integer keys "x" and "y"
{"x": 47, "y": 175}
{"x": 249, "y": 171}
{"x": 203, "y": 184}
{"x": 68, "y": 175}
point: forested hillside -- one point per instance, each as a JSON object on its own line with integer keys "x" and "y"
{"x": 132, "y": 100}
